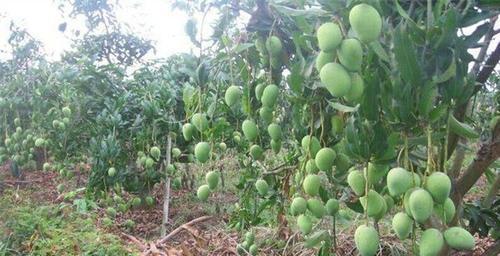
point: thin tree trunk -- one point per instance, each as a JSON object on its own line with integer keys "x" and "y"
{"x": 166, "y": 195}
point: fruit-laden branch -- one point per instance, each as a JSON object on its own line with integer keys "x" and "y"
{"x": 485, "y": 156}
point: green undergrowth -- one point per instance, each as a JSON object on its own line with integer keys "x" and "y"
{"x": 30, "y": 229}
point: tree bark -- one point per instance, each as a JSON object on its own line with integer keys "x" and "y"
{"x": 485, "y": 156}
{"x": 166, "y": 195}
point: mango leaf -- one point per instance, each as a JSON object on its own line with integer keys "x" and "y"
{"x": 379, "y": 50}
{"x": 242, "y": 47}
{"x": 316, "y": 238}
{"x": 406, "y": 57}
{"x": 450, "y": 72}
{"x": 308, "y": 13}
{"x": 343, "y": 108}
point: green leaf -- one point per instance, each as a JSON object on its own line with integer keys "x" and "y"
{"x": 343, "y": 108}
{"x": 450, "y": 72}
{"x": 406, "y": 57}
{"x": 242, "y": 47}
{"x": 379, "y": 50}
{"x": 308, "y": 13}
{"x": 316, "y": 238}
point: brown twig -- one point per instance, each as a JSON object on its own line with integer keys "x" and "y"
{"x": 180, "y": 228}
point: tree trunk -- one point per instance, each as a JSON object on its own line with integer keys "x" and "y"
{"x": 166, "y": 195}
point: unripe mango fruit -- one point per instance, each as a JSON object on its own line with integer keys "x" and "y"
{"x": 316, "y": 207}
{"x": 459, "y": 238}
{"x": 202, "y": 151}
{"x": 266, "y": 114}
{"x": 366, "y": 22}
{"x": 155, "y": 152}
{"x": 356, "y": 181}
{"x": 270, "y": 96}
{"x": 445, "y": 211}
{"x": 298, "y": 206}
{"x": 323, "y": 58}
{"x": 421, "y": 205}
{"x": 402, "y": 225}
{"x": 325, "y": 158}
{"x": 376, "y": 172}
{"x": 232, "y": 95}
{"x": 274, "y": 46}
{"x": 311, "y": 184}
{"x": 357, "y": 88}
{"x": 431, "y": 242}
{"x": 335, "y": 79}
{"x": 274, "y": 131}
{"x": 350, "y": 54}
{"x": 212, "y": 179}
{"x": 398, "y": 181}
{"x": 259, "y": 89}
{"x": 373, "y": 203}
{"x": 200, "y": 121}
{"x": 256, "y": 152}
{"x": 329, "y": 36}
{"x": 439, "y": 186}
{"x": 203, "y": 192}
{"x": 276, "y": 146}
{"x": 250, "y": 130}
{"x": 304, "y": 223}
{"x": 187, "y": 131}
{"x": 332, "y": 206}
{"x": 311, "y": 167}
{"x": 367, "y": 240}
{"x": 310, "y": 145}
{"x": 262, "y": 187}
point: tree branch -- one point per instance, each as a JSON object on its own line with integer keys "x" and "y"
{"x": 485, "y": 156}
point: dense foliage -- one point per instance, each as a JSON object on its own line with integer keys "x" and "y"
{"x": 367, "y": 104}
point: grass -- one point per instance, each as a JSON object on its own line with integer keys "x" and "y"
{"x": 28, "y": 228}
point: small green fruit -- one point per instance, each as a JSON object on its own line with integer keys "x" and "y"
{"x": 335, "y": 79}
{"x": 356, "y": 181}
{"x": 274, "y": 131}
{"x": 202, "y": 151}
{"x": 276, "y": 146}
{"x": 270, "y": 96}
{"x": 311, "y": 184}
{"x": 38, "y": 142}
{"x": 350, "y": 54}
{"x": 304, "y": 223}
{"x": 253, "y": 250}
{"x": 421, "y": 205}
{"x": 332, "y": 206}
{"x": 459, "y": 239}
{"x": 266, "y": 114}
{"x": 398, "y": 181}
{"x": 325, "y": 158}
{"x": 46, "y": 166}
{"x": 337, "y": 125}
{"x": 259, "y": 89}
{"x": 373, "y": 203}
{"x": 188, "y": 130}
{"x": 439, "y": 186}
{"x": 262, "y": 187}
{"x": 212, "y": 179}
{"x": 274, "y": 46}
{"x": 311, "y": 167}
{"x": 66, "y": 111}
{"x": 324, "y": 58}
{"x": 149, "y": 201}
{"x": 176, "y": 152}
{"x": 232, "y": 95}
{"x": 250, "y": 130}
{"x": 149, "y": 162}
{"x": 256, "y": 152}
{"x": 250, "y": 237}
{"x": 199, "y": 120}
{"x": 203, "y": 192}
{"x": 376, "y": 172}
{"x": 222, "y": 146}
{"x": 298, "y": 206}
{"x": 329, "y": 36}
{"x": 155, "y": 153}
{"x": 342, "y": 162}
{"x": 389, "y": 202}
{"x": 357, "y": 88}
{"x": 366, "y": 22}
{"x": 316, "y": 207}
{"x": 367, "y": 240}
{"x": 431, "y": 242}
{"x": 445, "y": 211}
{"x": 111, "y": 172}
{"x": 402, "y": 225}
{"x": 310, "y": 145}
